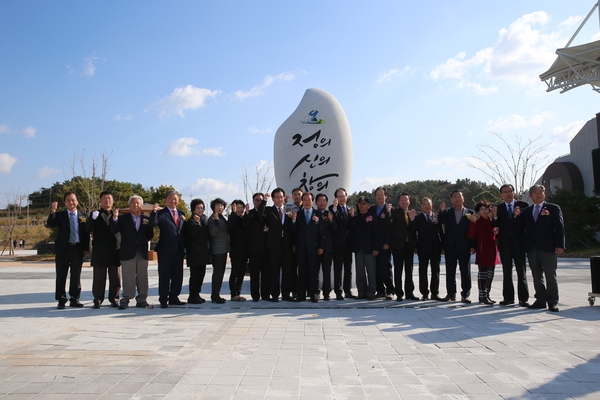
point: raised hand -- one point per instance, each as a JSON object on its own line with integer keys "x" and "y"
{"x": 54, "y": 206}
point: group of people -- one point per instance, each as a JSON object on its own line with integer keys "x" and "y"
{"x": 288, "y": 246}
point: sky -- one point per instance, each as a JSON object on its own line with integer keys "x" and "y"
{"x": 191, "y": 93}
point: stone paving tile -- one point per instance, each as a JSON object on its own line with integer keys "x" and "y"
{"x": 254, "y": 350}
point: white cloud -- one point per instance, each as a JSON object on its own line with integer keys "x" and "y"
{"x": 89, "y": 67}
{"x": 127, "y": 117}
{"x": 519, "y": 56}
{"x": 388, "y": 75}
{"x": 564, "y": 134}
{"x": 217, "y": 151}
{"x": 517, "y": 121}
{"x": 7, "y": 162}
{"x": 371, "y": 182}
{"x": 45, "y": 172}
{"x": 186, "y": 146}
{"x": 29, "y": 132}
{"x": 258, "y": 90}
{"x": 182, "y": 147}
{"x": 459, "y": 164}
{"x": 259, "y": 131}
{"x": 212, "y": 188}
{"x": 183, "y": 98}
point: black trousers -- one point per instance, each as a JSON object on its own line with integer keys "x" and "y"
{"x": 114, "y": 283}
{"x": 325, "y": 261}
{"x": 259, "y": 275}
{"x": 72, "y": 260}
{"x": 170, "y": 276}
{"x": 424, "y": 260}
{"x": 197, "y": 273}
{"x": 403, "y": 260}
{"x": 280, "y": 266}
{"x": 464, "y": 262}
{"x": 236, "y": 278}
{"x": 219, "y": 263}
{"x": 383, "y": 272}
{"x": 342, "y": 269}
{"x": 507, "y": 256}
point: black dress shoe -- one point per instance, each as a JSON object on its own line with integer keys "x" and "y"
{"x": 379, "y": 295}
{"x": 142, "y": 305}
{"x": 326, "y": 297}
{"x": 553, "y": 308}
{"x": 299, "y": 299}
{"x": 399, "y": 298}
{"x": 537, "y": 305}
{"x": 60, "y": 305}
{"x": 123, "y": 305}
{"x": 96, "y": 304}
{"x": 465, "y": 299}
{"x": 275, "y": 300}
{"x": 287, "y": 298}
{"x": 114, "y": 304}
{"x": 412, "y": 297}
{"x": 314, "y": 299}
{"x": 218, "y": 300}
{"x": 493, "y": 301}
{"x": 436, "y": 297}
{"x": 523, "y": 304}
{"x": 339, "y": 296}
{"x": 449, "y": 298}
{"x": 485, "y": 300}
{"x": 176, "y": 302}
{"x": 371, "y": 298}
{"x": 194, "y": 300}
{"x": 506, "y": 303}
{"x": 349, "y": 295}
{"x": 75, "y": 303}
{"x": 425, "y": 298}
{"x": 164, "y": 305}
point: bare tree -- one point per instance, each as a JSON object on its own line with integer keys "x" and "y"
{"x": 89, "y": 175}
{"x": 518, "y": 161}
{"x": 258, "y": 181}
{"x": 13, "y": 210}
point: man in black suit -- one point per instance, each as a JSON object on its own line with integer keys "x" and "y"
{"x": 327, "y": 227}
{"x": 105, "y": 253}
{"x": 257, "y": 250}
{"x": 170, "y": 249}
{"x": 305, "y": 226}
{"x": 457, "y": 246}
{"x": 71, "y": 244}
{"x": 544, "y": 241}
{"x": 382, "y": 212}
{"x": 279, "y": 244}
{"x": 342, "y": 250}
{"x": 428, "y": 235}
{"x": 511, "y": 247}
{"x": 402, "y": 243}
{"x": 135, "y": 231}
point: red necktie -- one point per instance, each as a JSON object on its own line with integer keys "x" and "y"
{"x": 176, "y": 218}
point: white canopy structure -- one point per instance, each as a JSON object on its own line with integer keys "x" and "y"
{"x": 575, "y": 66}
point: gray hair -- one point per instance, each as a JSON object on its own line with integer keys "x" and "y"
{"x": 135, "y": 196}
{"x": 534, "y": 187}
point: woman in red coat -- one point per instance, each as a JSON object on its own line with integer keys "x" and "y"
{"x": 486, "y": 258}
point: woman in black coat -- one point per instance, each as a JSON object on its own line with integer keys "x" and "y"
{"x": 197, "y": 249}
{"x": 238, "y": 239}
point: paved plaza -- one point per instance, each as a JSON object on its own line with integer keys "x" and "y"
{"x": 347, "y": 349}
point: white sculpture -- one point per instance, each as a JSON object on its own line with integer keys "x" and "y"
{"x": 313, "y": 147}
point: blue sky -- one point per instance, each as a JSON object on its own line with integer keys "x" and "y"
{"x": 188, "y": 93}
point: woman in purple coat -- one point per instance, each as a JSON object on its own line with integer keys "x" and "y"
{"x": 486, "y": 257}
